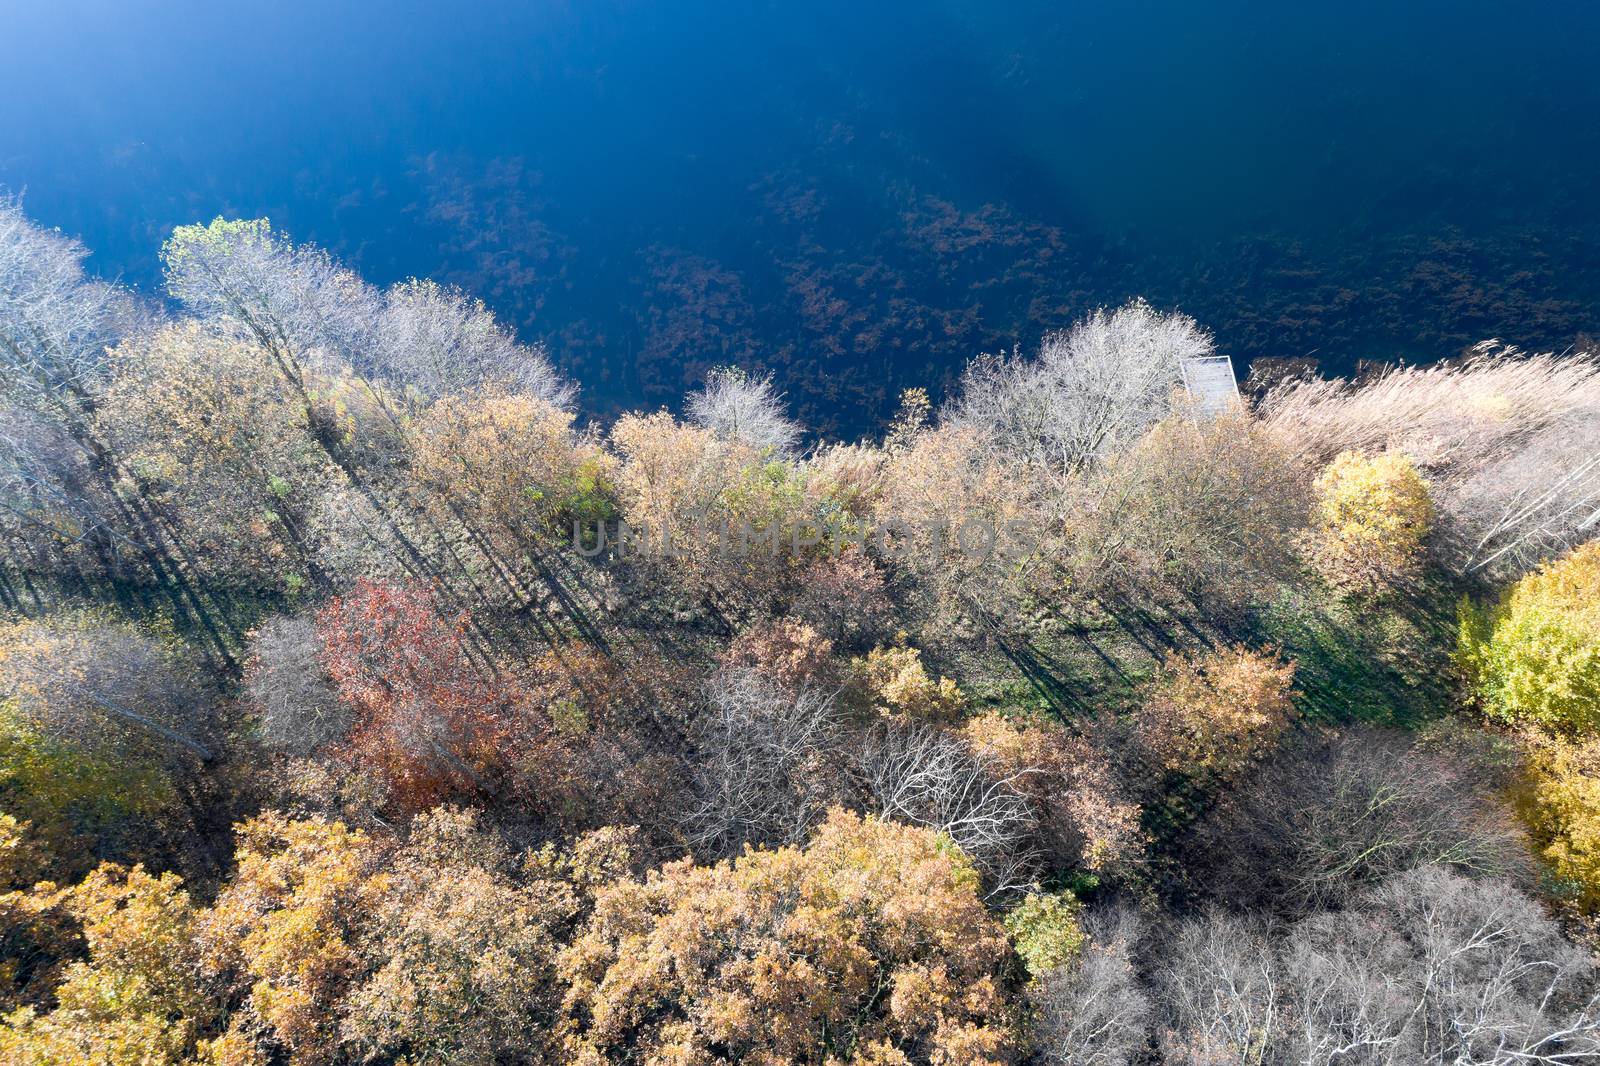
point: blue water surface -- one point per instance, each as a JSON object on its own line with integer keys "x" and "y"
{"x": 859, "y": 196}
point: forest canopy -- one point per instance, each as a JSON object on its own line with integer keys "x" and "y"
{"x": 362, "y": 701}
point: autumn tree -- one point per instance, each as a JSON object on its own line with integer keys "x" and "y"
{"x": 1086, "y": 818}
{"x": 844, "y": 598}
{"x": 670, "y": 482}
{"x": 316, "y": 325}
{"x": 39, "y": 937}
{"x": 1095, "y": 1011}
{"x": 209, "y": 431}
{"x": 461, "y": 952}
{"x": 284, "y": 935}
{"x": 1369, "y": 522}
{"x": 894, "y": 681}
{"x": 1045, "y": 931}
{"x": 927, "y": 776}
{"x": 868, "y": 945}
{"x": 1213, "y": 713}
{"x": 510, "y": 471}
{"x": 139, "y": 998}
{"x": 1192, "y": 512}
{"x": 1505, "y": 439}
{"x": 105, "y": 688}
{"x": 791, "y": 654}
{"x": 78, "y": 804}
{"x": 1559, "y": 801}
{"x": 437, "y": 341}
{"x": 63, "y": 480}
{"x": 1535, "y": 656}
{"x": 768, "y": 762}
{"x": 961, "y": 520}
{"x": 712, "y": 515}
{"x": 295, "y": 301}
{"x": 427, "y": 721}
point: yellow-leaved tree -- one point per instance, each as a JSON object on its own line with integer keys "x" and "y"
{"x": 284, "y": 934}
{"x": 138, "y": 999}
{"x": 1559, "y": 799}
{"x": 1369, "y": 521}
{"x": 1535, "y": 656}
{"x": 894, "y": 680}
{"x": 512, "y": 466}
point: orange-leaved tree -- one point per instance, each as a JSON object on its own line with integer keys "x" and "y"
{"x": 1215, "y": 712}
{"x": 868, "y": 945}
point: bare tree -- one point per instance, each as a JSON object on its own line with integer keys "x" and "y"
{"x": 56, "y": 325}
{"x": 738, "y": 406}
{"x": 1221, "y": 992}
{"x": 1427, "y": 968}
{"x": 1094, "y": 1012}
{"x": 55, "y": 322}
{"x": 295, "y": 301}
{"x": 924, "y": 776}
{"x": 1433, "y": 968}
{"x": 1331, "y": 817}
{"x": 49, "y": 494}
{"x": 440, "y": 340}
{"x": 1093, "y": 389}
{"x": 766, "y": 753}
{"x": 299, "y": 711}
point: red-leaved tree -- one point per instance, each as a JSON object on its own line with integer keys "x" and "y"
{"x": 428, "y": 723}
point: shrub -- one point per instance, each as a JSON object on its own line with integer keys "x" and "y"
{"x": 789, "y": 653}
{"x": 1370, "y": 518}
{"x": 897, "y": 683}
{"x": 1044, "y": 931}
{"x": 1535, "y": 657}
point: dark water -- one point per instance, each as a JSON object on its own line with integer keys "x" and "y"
{"x": 861, "y": 196}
